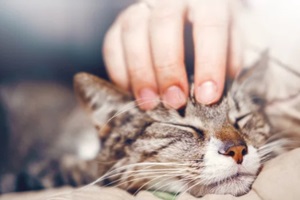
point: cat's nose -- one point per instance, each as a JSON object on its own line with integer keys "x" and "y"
{"x": 237, "y": 152}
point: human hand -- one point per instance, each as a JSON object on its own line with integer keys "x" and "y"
{"x": 144, "y": 50}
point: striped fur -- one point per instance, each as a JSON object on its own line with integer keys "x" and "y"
{"x": 182, "y": 151}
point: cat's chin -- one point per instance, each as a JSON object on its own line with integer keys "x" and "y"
{"x": 235, "y": 185}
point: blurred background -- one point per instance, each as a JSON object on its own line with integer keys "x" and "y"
{"x": 53, "y": 39}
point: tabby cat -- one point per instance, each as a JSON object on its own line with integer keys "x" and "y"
{"x": 198, "y": 149}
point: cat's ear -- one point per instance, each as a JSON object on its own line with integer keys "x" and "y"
{"x": 256, "y": 70}
{"x": 252, "y": 80}
{"x": 99, "y": 97}
{"x": 248, "y": 91}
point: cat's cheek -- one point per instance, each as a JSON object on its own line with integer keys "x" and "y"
{"x": 237, "y": 187}
{"x": 251, "y": 160}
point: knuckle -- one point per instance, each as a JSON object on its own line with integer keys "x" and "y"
{"x": 137, "y": 76}
{"x": 138, "y": 61}
{"x": 141, "y": 76}
{"x": 167, "y": 65}
{"x": 138, "y": 71}
{"x": 135, "y": 69}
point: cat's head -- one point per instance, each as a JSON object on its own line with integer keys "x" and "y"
{"x": 198, "y": 149}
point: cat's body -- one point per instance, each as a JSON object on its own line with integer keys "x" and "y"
{"x": 41, "y": 136}
{"x": 198, "y": 149}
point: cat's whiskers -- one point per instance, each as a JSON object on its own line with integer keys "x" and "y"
{"x": 155, "y": 178}
{"x": 171, "y": 183}
{"x": 194, "y": 160}
{"x": 153, "y": 175}
{"x": 149, "y": 164}
{"x": 141, "y": 173}
{"x": 131, "y": 165}
{"x": 278, "y": 143}
{"x": 147, "y": 170}
{"x": 168, "y": 173}
{"x": 59, "y": 196}
{"x": 266, "y": 151}
{"x": 71, "y": 193}
{"x": 135, "y": 179}
{"x": 163, "y": 178}
{"x": 179, "y": 172}
{"x": 191, "y": 187}
{"x": 190, "y": 180}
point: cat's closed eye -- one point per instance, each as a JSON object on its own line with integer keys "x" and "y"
{"x": 197, "y": 132}
{"x": 240, "y": 121}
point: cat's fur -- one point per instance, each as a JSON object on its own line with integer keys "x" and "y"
{"x": 198, "y": 149}
{"x": 188, "y": 146}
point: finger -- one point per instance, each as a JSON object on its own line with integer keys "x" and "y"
{"x": 114, "y": 57}
{"x": 166, "y": 36}
{"x": 235, "y": 52}
{"x": 210, "y": 20}
{"x": 136, "y": 46}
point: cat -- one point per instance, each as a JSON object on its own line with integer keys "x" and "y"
{"x": 198, "y": 149}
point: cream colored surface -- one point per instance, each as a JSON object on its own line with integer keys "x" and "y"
{"x": 279, "y": 179}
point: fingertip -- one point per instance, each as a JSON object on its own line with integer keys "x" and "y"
{"x": 208, "y": 92}
{"x": 147, "y": 99}
{"x": 174, "y": 97}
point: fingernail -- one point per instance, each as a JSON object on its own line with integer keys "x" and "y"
{"x": 206, "y": 93}
{"x": 148, "y": 99}
{"x": 174, "y": 97}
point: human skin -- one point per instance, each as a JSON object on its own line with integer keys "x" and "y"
{"x": 144, "y": 50}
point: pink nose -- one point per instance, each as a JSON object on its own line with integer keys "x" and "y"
{"x": 236, "y": 152}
